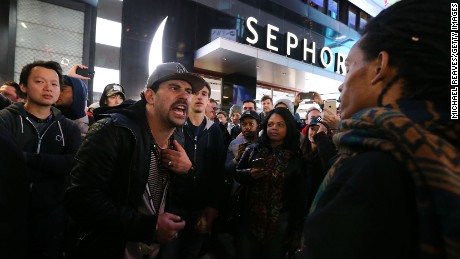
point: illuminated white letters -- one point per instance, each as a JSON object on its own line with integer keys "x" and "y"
{"x": 327, "y": 58}
{"x": 321, "y": 57}
{"x": 270, "y": 36}
{"x": 310, "y": 50}
{"x": 340, "y": 63}
{"x": 291, "y": 44}
{"x": 252, "y": 30}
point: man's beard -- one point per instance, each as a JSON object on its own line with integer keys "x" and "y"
{"x": 251, "y": 135}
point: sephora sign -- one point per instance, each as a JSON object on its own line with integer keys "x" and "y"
{"x": 292, "y": 47}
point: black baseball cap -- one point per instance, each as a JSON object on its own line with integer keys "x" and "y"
{"x": 175, "y": 71}
{"x": 317, "y": 120}
{"x": 251, "y": 114}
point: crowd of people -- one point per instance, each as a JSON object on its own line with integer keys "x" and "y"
{"x": 172, "y": 176}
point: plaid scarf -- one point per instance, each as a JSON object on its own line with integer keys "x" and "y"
{"x": 427, "y": 143}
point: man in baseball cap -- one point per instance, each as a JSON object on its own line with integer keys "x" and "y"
{"x": 174, "y": 70}
{"x": 250, "y": 114}
{"x": 138, "y": 145}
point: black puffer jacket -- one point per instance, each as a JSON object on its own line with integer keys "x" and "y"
{"x": 107, "y": 184}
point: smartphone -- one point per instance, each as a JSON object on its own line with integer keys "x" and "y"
{"x": 258, "y": 163}
{"x": 330, "y": 105}
{"x": 85, "y": 72}
{"x": 307, "y": 95}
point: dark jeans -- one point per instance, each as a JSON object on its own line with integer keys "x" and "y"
{"x": 248, "y": 247}
{"x": 46, "y": 233}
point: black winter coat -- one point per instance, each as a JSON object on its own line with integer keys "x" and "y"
{"x": 107, "y": 185}
{"x": 48, "y": 155}
{"x": 204, "y": 187}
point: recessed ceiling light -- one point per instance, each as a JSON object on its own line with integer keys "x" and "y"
{"x": 284, "y": 73}
{"x": 224, "y": 59}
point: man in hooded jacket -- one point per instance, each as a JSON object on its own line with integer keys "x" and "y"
{"x": 72, "y": 102}
{"x": 48, "y": 142}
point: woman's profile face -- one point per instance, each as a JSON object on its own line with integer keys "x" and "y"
{"x": 276, "y": 128}
{"x": 357, "y": 91}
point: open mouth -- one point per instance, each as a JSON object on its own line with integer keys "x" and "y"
{"x": 180, "y": 110}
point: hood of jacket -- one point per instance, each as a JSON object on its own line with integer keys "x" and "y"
{"x": 104, "y": 111}
{"x": 18, "y": 108}
{"x": 77, "y": 109}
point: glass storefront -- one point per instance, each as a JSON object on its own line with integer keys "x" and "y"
{"x": 191, "y": 25}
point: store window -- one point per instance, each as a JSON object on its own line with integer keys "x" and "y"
{"x": 352, "y": 17}
{"x": 48, "y": 32}
{"x": 363, "y": 18}
{"x": 317, "y": 4}
{"x": 333, "y": 9}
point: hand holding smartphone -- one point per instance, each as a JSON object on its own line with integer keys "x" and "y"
{"x": 85, "y": 72}
{"x": 331, "y": 105}
{"x": 307, "y": 95}
{"x": 258, "y": 163}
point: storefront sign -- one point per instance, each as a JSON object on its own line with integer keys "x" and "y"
{"x": 291, "y": 45}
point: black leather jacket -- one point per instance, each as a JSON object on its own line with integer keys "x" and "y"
{"x": 107, "y": 184}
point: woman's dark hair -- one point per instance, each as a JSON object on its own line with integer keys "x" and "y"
{"x": 416, "y": 35}
{"x": 292, "y": 139}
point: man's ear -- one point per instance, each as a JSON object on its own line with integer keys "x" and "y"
{"x": 381, "y": 67}
{"x": 23, "y": 88}
{"x": 149, "y": 95}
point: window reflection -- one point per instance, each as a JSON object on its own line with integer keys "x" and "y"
{"x": 333, "y": 9}
{"x": 364, "y": 17}
{"x": 317, "y": 4}
{"x": 352, "y": 17}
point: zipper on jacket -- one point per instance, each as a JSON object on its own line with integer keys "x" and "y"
{"x": 195, "y": 140}
{"x": 38, "y": 133}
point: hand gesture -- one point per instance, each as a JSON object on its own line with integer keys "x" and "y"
{"x": 73, "y": 72}
{"x": 177, "y": 160}
{"x": 297, "y": 99}
{"x": 241, "y": 149}
{"x": 317, "y": 98}
{"x": 168, "y": 226}
{"x": 256, "y": 173}
{"x": 204, "y": 223}
{"x": 322, "y": 128}
{"x": 331, "y": 119}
